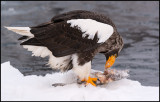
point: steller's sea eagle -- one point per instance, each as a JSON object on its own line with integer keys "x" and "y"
{"x": 72, "y": 39}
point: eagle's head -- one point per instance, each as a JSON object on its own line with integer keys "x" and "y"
{"x": 112, "y": 49}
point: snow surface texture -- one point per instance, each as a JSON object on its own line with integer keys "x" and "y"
{"x": 16, "y": 87}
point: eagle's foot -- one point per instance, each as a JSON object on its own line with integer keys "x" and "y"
{"x": 86, "y": 82}
{"x": 91, "y": 81}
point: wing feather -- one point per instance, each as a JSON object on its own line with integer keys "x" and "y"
{"x": 62, "y": 39}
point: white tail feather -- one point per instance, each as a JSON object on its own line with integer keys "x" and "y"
{"x": 21, "y": 30}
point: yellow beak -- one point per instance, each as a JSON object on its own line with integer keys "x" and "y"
{"x": 110, "y": 61}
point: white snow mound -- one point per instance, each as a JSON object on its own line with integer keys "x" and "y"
{"x": 17, "y": 87}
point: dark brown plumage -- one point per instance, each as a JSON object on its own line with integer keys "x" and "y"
{"x": 62, "y": 40}
{"x": 72, "y": 39}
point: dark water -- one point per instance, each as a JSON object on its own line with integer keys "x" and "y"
{"x": 137, "y": 22}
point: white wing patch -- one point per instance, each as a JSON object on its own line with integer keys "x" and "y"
{"x": 91, "y": 27}
{"x": 54, "y": 62}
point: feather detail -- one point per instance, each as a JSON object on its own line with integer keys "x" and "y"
{"x": 25, "y": 31}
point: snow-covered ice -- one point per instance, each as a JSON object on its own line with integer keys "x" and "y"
{"x": 17, "y": 87}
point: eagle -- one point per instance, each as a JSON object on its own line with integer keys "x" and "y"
{"x": 71, "y": 40}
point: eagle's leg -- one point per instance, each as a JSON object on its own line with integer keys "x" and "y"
{"x": 82, "y": 71}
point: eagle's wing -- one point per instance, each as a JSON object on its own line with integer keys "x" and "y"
{"x": 77, "y": 14}
{"x": 70, "y": 33}
{"x": 61, "y": 39}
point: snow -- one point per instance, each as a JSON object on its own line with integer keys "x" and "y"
{"x": 17, "y": 87}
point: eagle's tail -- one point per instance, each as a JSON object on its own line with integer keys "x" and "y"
{"x": 25, "y": 31}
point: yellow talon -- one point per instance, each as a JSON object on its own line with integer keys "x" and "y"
{"x": 90, "y": 80}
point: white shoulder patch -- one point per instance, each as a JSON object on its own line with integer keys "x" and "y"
{"x": 91, "y": 27}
